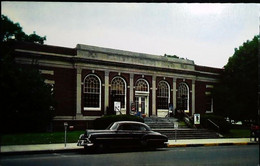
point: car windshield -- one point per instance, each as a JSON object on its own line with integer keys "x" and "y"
{"x": 109, "y": 126}
{"x": 112, "y": 126}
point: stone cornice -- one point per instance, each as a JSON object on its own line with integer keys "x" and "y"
{"x": 134, "y": 55}
{"x": 78, "y": 59}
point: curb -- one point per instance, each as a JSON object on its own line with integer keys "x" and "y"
{"x": 79, "y": 150}
{"x": 211, "y": 144}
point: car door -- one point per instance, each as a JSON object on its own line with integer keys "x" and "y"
{"x": 124, "y": 136}
{"x": 139, "y": 131}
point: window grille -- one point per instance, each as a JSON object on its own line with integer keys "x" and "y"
{"x": 183, "y": 97}
{"x": 163, "y": 95}
{"x": 118, "y": 90}
{"x": 92, "y": 91}
{"x": 209, "y": 101}
{"x": 141, "y": 85}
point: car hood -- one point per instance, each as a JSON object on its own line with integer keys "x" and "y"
{"x": 97, "y": 132}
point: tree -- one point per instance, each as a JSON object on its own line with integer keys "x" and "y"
{"x": 26, "y": 101}
{"x": 13, "y": 31}
{"x": 236, "y": 94}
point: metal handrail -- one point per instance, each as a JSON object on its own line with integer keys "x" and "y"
{"x": 186, "y": 115}
{"x": 213, "y": 123}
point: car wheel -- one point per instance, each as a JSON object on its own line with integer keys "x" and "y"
{"x": 100, "y": 148}
{"x": 147, "y": 145}
{"x": 144, "y": 143}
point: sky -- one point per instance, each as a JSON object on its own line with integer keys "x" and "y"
{"x": 204, "y": 33}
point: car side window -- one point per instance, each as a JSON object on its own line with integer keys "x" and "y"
{"x": 120, "y": 127}
{"x": 125, "y": 127}
{"x": 143, "y": 128}
{"x": 135, "y": 127}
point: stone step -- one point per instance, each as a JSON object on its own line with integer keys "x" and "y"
{"x": 156, "y": 119}
{"x": 164, "y": 125}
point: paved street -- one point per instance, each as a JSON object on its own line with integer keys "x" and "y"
{"x": 211, "y": 155}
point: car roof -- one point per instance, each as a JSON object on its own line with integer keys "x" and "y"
{"x": 132, "y": 122}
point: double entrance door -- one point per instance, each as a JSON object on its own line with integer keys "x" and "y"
{"x": 141, "y": 104}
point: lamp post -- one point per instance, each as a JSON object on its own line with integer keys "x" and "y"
{"x": 176, "y": 124}
{"x": 65, "y": 137}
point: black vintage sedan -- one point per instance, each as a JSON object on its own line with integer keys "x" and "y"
{"x": 123, "y": 134}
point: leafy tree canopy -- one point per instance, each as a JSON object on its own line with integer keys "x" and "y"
{"x": 236, "y": 95}
{"x": 13, "y": 31}
{"x": 27, "y": 103}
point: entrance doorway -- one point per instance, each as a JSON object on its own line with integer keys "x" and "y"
{"x": 141, "y": 104}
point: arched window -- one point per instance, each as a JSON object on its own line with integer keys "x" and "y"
{"x": 141, "y": 85}
{"x": 163, "y": 95}
{"x": 183, "y": 97}
{"x": 118, "y": 90}
{"x": 92, "y": 92}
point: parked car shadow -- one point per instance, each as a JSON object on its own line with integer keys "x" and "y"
{"x": 119, "y": 150}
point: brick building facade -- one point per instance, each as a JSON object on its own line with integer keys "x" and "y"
{"x": 87, "y": 79}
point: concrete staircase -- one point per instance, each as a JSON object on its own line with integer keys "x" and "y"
{"x": 189, "y": 133}
{"x": 160, "y": 123}
{"x": 166, "y": 126}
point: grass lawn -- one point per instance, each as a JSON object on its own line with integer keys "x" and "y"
{"x": 39, "y": 138}
{"x": 238, "y": 133}
{"x": 72, "y": 136}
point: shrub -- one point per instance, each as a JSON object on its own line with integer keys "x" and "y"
{"x": 104, "y": 122}
{"x": 224, "y": 126}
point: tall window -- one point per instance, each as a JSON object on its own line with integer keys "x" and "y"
{"x": 183, "y": 97}
{"x": 163, "y": 95}
{"x": 118, "y": 90}
{"x": 209, "y": 98}
{"x": 209, "y": 104}
{"x": 141, "y": 86}
{"x": 92, "y": 91}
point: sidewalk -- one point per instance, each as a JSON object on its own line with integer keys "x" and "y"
{"x": 51, "y": 148}
{"x": 211, "y": 142}
{"x": 39, "y": 148}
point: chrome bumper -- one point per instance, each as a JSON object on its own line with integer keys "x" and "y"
{"x": 84, "y": 142}
{"x": 166, "y": 144}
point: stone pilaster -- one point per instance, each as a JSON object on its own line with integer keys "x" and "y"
{"x": 154, "y": 96}
{"x": 78, "y": 93}
{"x": 106, "y": 91}
{"x": 193, "y": 97}
{"x": 131, "y": 88}
{"x": 174, "y": 94}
